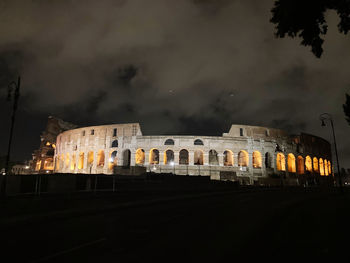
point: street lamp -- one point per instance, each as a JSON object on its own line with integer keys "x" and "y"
{"x": 323, "y": 118}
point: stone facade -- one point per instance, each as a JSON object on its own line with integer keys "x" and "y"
{"x": 244, "y": 152}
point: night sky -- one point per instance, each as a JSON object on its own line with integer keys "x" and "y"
{"x": 176, "y": 67}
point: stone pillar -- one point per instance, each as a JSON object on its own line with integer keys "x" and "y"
{"x": 176, "y": 157}
{"x": 146, "y": 157}
{"x": 221, "y": 159}
{"x": 132, "y": 158}
{"x": 161, "y": 157}
{"x": 235, "y": 160}
{"x": 191, "y": 158}
{"x": 205, "y": 158}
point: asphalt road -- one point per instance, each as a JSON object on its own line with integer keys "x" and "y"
{"x": 275, "y": 225}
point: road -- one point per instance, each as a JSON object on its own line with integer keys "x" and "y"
{"x": 277, "y": 224}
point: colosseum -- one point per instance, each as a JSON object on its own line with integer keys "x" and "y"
{"x": 249, "y": 152}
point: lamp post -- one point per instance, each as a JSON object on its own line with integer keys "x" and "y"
{"x": 327, "y": 116}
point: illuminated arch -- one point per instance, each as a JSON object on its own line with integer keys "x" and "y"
{"x": 291, "y": 163}
{"x": 62, "y": 161}
{"x": 228, "y": 158}
{"x": 243, "y": 158}
{"x": 112, "y": 160}
{"x": 81, "y": 161}
{"x": 67, "y": 160}
{"x": 48, "y": 164}
{"x": 100, "y": 158}
{"x": 183, "y": 157}
{"x": 154, "y": 156}
{"x": 329, "y": 168}
{"x": 73, "y": 162}
{"x": 90, "y": 159}
{"x": 257, "y": 160}
{"x": 281, "y": 162}
{"x": 198, "y": 158}
{"x": 213, "y": 157}
{"x": 321, "y": 166}
{"x": 169, "y": 157}
{"x": 325, "y": 164}
{"x": 315, "y": 164}
{"x": 38, "y": 165}
{"x": 140, "y": 156}
{"x": 301, "y": 169}
{"x": 308, "y": 164}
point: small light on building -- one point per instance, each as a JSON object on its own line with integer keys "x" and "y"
{"x": 27, "y": 167}
{"x": 47, "y": 172}
{"x": 172, "y": 163}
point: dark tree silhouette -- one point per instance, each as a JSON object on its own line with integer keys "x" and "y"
{"x": 346, "y": 108}
{"x": 305, "y": 19}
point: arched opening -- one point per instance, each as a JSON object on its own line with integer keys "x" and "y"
{"x": 90, "y": 160}
{"x": 257, "y": 160}
{"x": 321, "y": 167}
{"x": 81, "y": 161}
{"x": 113, "y": 160}
{"x": 115, "y": 144}
{"x": 100, "y": 158}
{"x": 154, "y": 156}
{"x": 301, "y": 165}
{"x": 315, "y": 163}
{"x": 329, "y": 168}
{"x": 183, "y": 157}
{"x": 169, "y": 157}
{"x": 48, "y": 164}
{"x": 281, "y": 162}
{"x": 73, "y": 162}
{"x": 140, "y": 156}
{"x": 198, "y": 157}
{"x": 213, "y": 157}
{"x": 62, "y": 161}
{"x": 169, "y": 142}
{"x": 126, "y": 158}
{"x": 243, "y": 158}
{"x": 228, "y": 158}
{"x": 198, "y": 142}
{"x": 37, "y": 165}
{"x": 291, "y": 163}
{"x": 325, "y": 163}
{"x": 308, "y": 164}
{"x": 67, "y": 160}
{"x": 268, "y": 160}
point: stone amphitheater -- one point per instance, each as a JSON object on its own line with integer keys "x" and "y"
{"x": 245, "y": 151}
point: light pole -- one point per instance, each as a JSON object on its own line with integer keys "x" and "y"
{"x": 327, "y": 116}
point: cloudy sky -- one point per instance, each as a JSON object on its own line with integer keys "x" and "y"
{"x": 177, "y": 67}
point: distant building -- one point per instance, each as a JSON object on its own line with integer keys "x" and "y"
{"x": 20, "y": 169}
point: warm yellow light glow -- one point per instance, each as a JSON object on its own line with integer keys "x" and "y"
{"x": 243, "y": 159}
{"x": 67, "y": 160}
{"x": 308, "y": 163}
{"x": 140, "y": 156}
{"x": 257, "y": 160}
{"x": 48, "y": 164}
{"x": 81, "y": 161}
{"x": 54, "y": 146}
{"x": 228, "y": 158}
{"x": 100, "y": 158}
{"x": 301, "y": 169}
{"x": 47, "y": 144}
{"x": 321, "y": 167}
{"x": 291, "y": 163}
{"x": 315, "y": 162}
{"x": 154, "y": 156}
{"x": 73, "y": 163}
{"x": 90, "y": 158}
{"x": 198, "y": 157}
{"x": 325, "y": 163}
{"x": 281, "y": 162}
{"x": 38, "y": 165}
{"x": 112, "y": 161}
{"x": 329, "y": 168}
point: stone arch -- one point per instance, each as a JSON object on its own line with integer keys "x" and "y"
{"x": 228, "y": 158}
{"x": 114, "y": 144}
{"x": 315, "y": 164}
{"x": 301, "y": 169}
{"x": 100, "y": 158}
{"x": 280, "y": 162}
{"x": 169, "y": 157}
{"x": 81, "y": 160}
{"x": 73, "y": 162}
{"x": 308, "y": 164}
{"x": 113, "y": 160}
{"x": 126, "y": 158}
{"x": 198, "y": 157}
{"x": 154, "y": 156}
{"x": 213, "y": 157}
{"x": 169, "y": 142}
{"x": 291, "y": 163}
{"x": 325, "y": 164}
{"x": 183, "y": 157}
{"x": 140, "y": 156}
{"x": 268, "y": 160}
{"x": 243, "y": 158}
{"x": 198, "y": 142}
{"x": 90, "y": 160}
{"x": 257, "y": 160}
{"x": 321, "y": 167}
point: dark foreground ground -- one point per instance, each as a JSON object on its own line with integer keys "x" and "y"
{"x": 216, "y": 225}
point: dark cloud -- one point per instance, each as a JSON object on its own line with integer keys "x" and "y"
{"x": 177, "y": 67}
